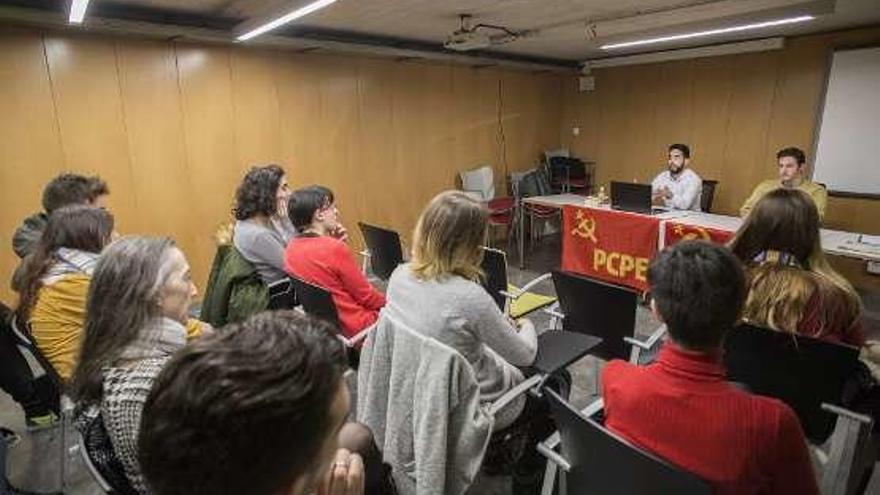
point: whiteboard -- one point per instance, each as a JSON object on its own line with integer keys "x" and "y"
{"x": 848, "y": 146}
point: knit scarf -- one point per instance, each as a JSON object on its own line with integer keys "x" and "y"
{"x": 161, "y": 337}
{"x": 69, "y": 261}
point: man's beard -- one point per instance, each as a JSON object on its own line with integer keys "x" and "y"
{"x": 674, "y": 171}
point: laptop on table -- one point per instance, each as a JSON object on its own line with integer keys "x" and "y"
{"x": 629, "y": 196}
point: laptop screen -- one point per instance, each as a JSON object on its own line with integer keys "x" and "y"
{"x": 631, "y": 196}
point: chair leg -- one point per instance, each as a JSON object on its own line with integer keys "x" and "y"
{"x": 549, "y": 478}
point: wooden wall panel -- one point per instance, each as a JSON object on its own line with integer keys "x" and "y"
{"x": 375, "y": 106}
{"x": 30, "y": 146}
{"x": 734, "y": 111}
{"x": 91, "y": 120}
{"x": 745, "y": 148}
{"x": 162, "y": 181}
{"x": 255, "y": 103}
{"x": 205, "y": 86}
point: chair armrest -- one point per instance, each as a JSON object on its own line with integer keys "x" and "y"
{"x": 650, "y": 342}
{"x": 846, "y": 413}
{"x": 553, "y": 312}
{"x": 525, "y": 288}
{"x": 591, "y": 409}
{"x": 554, "y": 457}
{"x": 638, "y": 343}
{"x": 508, "y": 397}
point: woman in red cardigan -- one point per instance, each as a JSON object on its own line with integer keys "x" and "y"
{"x": 320, "y": 256}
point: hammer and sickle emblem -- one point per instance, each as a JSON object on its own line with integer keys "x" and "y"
{"x": 586, "y": 227}
{"x": 698, "y": 233}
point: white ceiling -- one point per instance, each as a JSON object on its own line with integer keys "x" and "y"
{"x": 563, "y": 29}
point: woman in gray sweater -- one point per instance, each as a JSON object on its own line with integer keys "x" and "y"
{"x": 262, "y": 228}
{"x": 438, "y": 294}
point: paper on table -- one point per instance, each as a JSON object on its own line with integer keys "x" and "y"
{"x": 870, "y": 240}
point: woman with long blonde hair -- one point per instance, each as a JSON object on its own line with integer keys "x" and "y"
{"x": 792, "y": 287}
{"x": 438, "y": 294}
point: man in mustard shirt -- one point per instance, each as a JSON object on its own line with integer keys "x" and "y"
{"x": 791, "y": 175}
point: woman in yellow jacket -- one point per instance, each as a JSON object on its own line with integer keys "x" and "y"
{"x": 56, "y": 281}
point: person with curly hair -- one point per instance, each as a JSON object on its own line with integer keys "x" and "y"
{"x": 262, "y": 228}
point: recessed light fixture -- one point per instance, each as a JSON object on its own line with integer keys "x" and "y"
{"x": 77, "y": 10}
{"x": 698, "y": 34}
{"x": 296, "y": 14}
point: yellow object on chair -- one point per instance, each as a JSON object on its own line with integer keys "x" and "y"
{"x": 527, "y": 302}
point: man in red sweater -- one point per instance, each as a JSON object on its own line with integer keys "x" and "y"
{"x": 319, "y": 255}
{"x": 682, "y": 409}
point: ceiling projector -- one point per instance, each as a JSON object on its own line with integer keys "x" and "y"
{"x": 463, "y": 41}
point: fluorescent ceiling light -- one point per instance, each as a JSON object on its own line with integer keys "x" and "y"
{"x": 734, "y": 29}
{"x": 78, "y": 10}
{"x": 296, "y": 14}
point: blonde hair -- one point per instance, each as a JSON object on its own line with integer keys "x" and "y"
{"x": 448, "y": 237}
{"x": 786, "y": 220}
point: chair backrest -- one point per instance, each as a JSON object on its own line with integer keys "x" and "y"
{"x": 282, "y": 295}
{"x": 28, "y": 368}
{"x": 707, "y": 195}
{"x": 604, "y": 463}
{"x": 548, "y": 154}
{"x": 385, "y": 250}
{"x": 563, "y": 167}
{"x": 801, "y": 371}
{"x": 480, "y": 180}
{"x": 316, "y": 301}
{"x": 529, "y": 184}
{"x": 597, "y": 308}
{"x": 101, "y": 461}
{"x": 494, "y": 266}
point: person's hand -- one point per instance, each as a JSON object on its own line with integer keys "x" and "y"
{"x": 667, "y": 193}
{"x": 340, "y": 233}
{"x": 345, "y": 476}
{"x": 657, "y": 199}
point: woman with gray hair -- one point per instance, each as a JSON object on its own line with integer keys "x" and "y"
{"x": 136, "y": 311}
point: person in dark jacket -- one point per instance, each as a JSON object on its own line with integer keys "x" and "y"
{"x": 63, "y": 190}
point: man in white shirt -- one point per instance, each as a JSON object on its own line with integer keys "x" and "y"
{"x": 678, "y": 187}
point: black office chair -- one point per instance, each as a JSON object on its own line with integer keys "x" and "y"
{"x": 318, "y": 302}
{"x": 707, "y": 195}
{"x": 597, "y": 308}
{"x": 809, "y": 375}
{"x": 383, "y": 249}
{"x": 596, "y": 461}
{"x": 512, "y": 300}
{"x": 101, "y": 461}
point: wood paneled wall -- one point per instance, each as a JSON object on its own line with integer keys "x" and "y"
{"x": 734, "y": 111}
{"x": 172, "y": 128}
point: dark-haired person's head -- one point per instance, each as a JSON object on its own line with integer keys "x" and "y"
{"x": 74, "y": 189}
{"x": 783, "y": 220}
{"x": 263, "y": 192}
{"x": 698, "y": 290}
{"x": 253, "y": 409}
{"x": 313, "y": 207}
{"x": 679, "y": 156}
{"x": 791, "y": 166}
{"x": 78, "y": 227}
